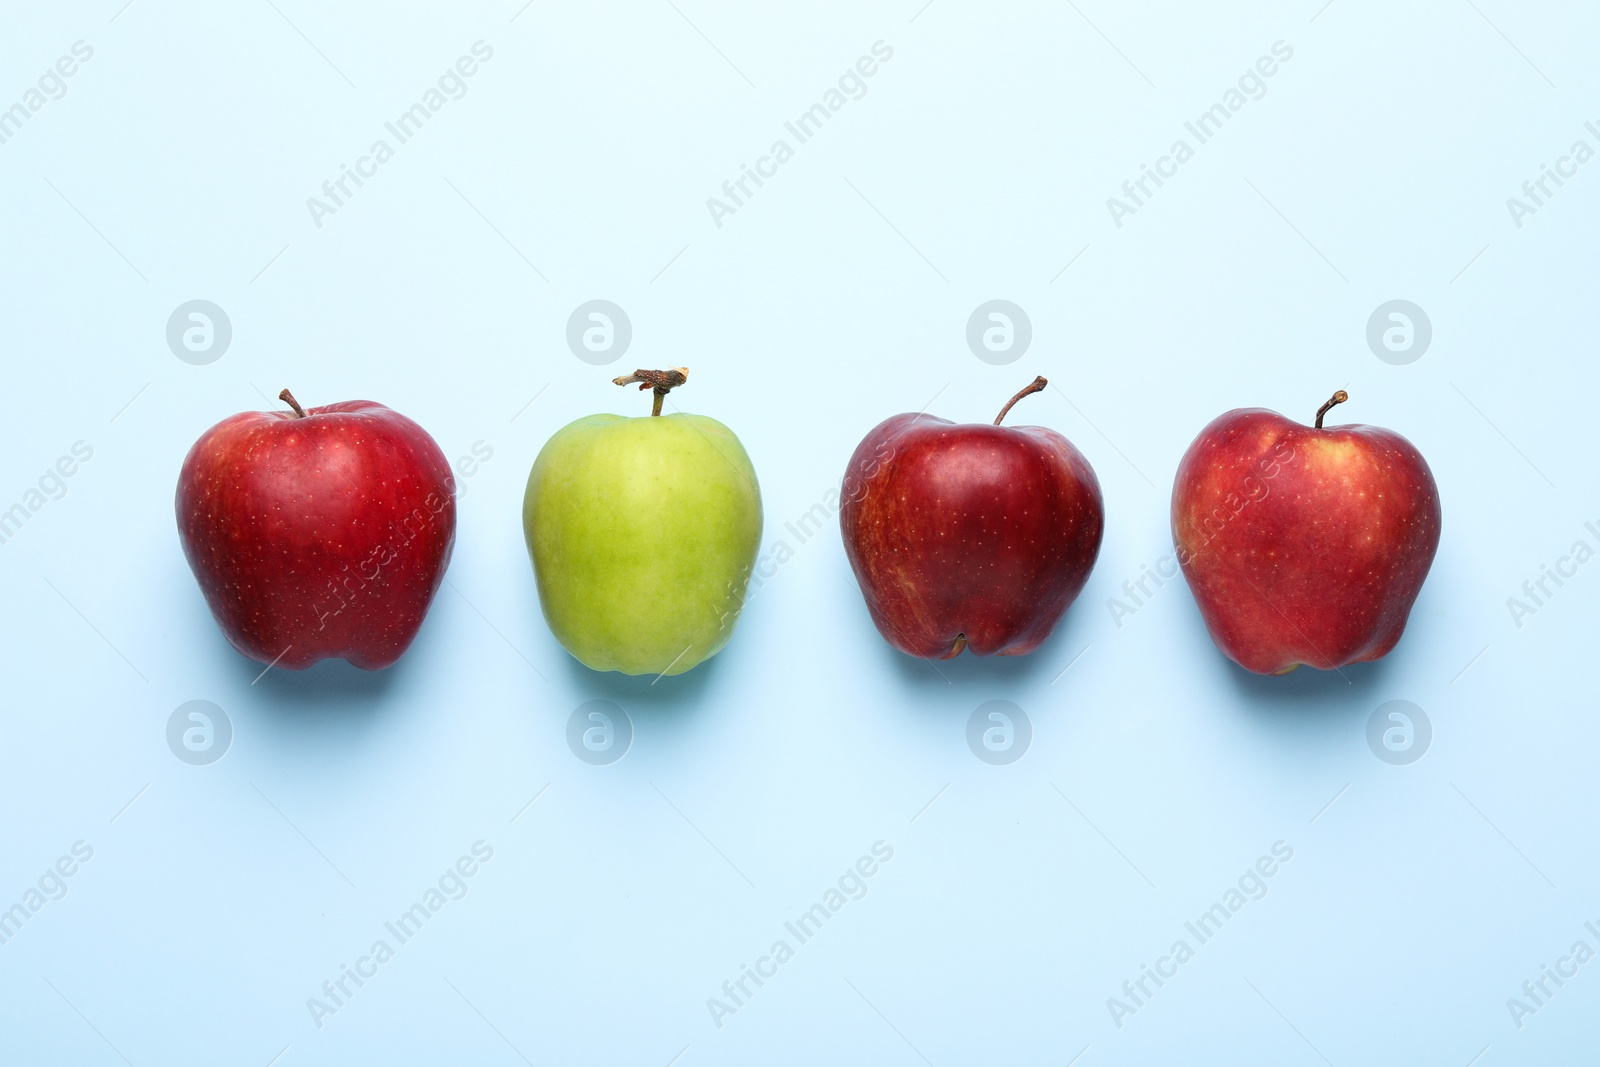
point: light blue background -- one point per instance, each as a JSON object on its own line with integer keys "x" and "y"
{"x": 977, "y": 166}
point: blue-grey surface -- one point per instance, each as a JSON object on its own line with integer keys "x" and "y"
{"x": 1014, "y": 905}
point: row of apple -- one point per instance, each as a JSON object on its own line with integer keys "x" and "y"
{"x": 325, "y": 533}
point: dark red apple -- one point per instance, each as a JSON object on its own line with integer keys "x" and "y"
{"x": 319, "y": 534}
{"x": 1303, "y": 544}
{"x": 969, "y": 536}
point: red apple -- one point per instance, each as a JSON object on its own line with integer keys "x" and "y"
{"x": 969, "y": 536}
{"x": 1303, "y": 544}
{"x": 319, "y": 534}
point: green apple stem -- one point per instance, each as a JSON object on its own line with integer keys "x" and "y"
{"x": 662, "y": 381}
{"x": 288, "y": 398}
{"x": 1337, "y": 398}
{"x": 1033, "y": 387}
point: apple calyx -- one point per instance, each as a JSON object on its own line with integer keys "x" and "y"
{"x": 288, "y": 398}
{"x": 1032, "y": 387}
{"x": 1337, "y": 398}
{"x": 662, "y": 381}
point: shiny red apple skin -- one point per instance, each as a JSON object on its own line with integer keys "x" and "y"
{"x": 970, "y": 535}
{"x": 1303, "y": 545}
{"x": 322, "y": 537}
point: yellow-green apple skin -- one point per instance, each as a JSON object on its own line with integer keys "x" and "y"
{"x": 642, "y": 532}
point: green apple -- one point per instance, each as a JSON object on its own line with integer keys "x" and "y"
{"x": 643, "y": 532}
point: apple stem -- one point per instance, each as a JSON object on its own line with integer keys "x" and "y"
{"x": 288, "y": 398}
{"x": 662, "y": 381}
{"x": 1337, "y": 398}
{"x": 1033, "y": 387}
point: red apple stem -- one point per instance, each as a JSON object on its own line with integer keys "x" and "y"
{"x": 1337, "y": 398}
{"x": 662, "y": 381}
{"x": 288, "y": 398}
{"x": 1032, "y": 387}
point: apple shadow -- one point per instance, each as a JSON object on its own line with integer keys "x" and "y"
{"x": 645, "y": 695}
{"x": 663, "y": 708}
{"x": 994, "y": 675}
{"x": 1311, "y": 696}
{"x": 1349, "y": 691}
{"x": 967, "y": 670}
{"x": 648, "y": 696}
{"x": 332, "y": 689}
